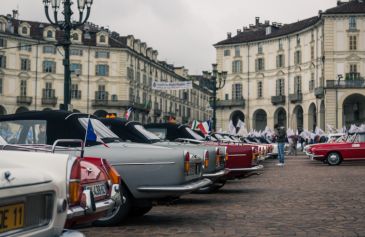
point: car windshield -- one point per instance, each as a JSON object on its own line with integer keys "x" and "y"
{"x": 228, "y": 138}
{"x": 359, "y": 138}
{"x": 24, "y": 131}
{"x": 100, "y": 129}
{"x": 194, "y": 134}
{"x": 218, "y": 136}
{"x": 147, "y": 134}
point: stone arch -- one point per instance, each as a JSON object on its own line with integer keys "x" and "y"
{"x": 236, "y": 116}
{"x": 100, "y": 113}
{"x": 259, "y": 120}
{"x": 297, "y": 121}
{"x": 21, "y": 109}
{"x": 312, "y": 117}
{"x": 354, "y": 109}
{"x": 280, "y": 117}
{"x": 2, "y": 110}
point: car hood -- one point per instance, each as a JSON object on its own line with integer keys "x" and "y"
{"x": 20, "y": 177}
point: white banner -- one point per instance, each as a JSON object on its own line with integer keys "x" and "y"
{"x": 183, "y": 85}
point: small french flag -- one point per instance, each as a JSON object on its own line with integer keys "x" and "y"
{"x": 91, "y": 135}
{"x": 128, "y": 113}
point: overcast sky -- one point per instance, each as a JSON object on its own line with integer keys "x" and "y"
{"x": 183, "y": 31}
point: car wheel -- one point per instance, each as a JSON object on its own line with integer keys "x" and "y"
{"x": 334, "y": 158}
{"x": 117, "y": 214}
{"x": 140, "y": 211}
{"x": 211, "y": 188}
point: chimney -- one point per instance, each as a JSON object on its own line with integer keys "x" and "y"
{"x": 267, "y": 22}
{"x": 15, "y": 14}
{"x": 238, "y": 31}
{"x": 257, "y": 20}
{"x": 320, "y": 12}
{"x": 229, "y": 35}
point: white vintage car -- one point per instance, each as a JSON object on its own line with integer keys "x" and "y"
{"x": 33, "y": 194}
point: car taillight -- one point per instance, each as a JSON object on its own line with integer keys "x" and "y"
{"x": 218, "y": 157}
{"x": 74, "y": 186}
{"x": 112, "y": 172}
{"x": 206, "y": 159}
{"x": 187, "y": 163}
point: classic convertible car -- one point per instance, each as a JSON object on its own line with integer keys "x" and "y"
{"x": 353, "y": 148}
{"x": 33, "y": 195}
{"x": 150, "y": 173}
{"x": 214, "y": 157}
{"x": 242, "y": 161}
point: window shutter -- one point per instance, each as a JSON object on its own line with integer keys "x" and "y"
{"x": 277, "y": 61}
{"x": 263, "y": 64}
{"x": 233, "y": 67}
{"x": 277, "y": 87}
{"x": 108, "y": 54}
{"x": 28, "y": 64}
{"x": 240, "y": 64}
{"x": 107, "y": 70}
{"x": 96, "y": 70}
{"x": 256, "y": 65}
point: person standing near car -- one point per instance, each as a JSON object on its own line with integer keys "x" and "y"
{"x": 280, "y": 133}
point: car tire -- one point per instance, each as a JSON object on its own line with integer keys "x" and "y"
{"x": 140, "y": 211}
{"x": 211, "y": 188}
{"x": 334, "y": 158}
{"x": 118, "y": 214}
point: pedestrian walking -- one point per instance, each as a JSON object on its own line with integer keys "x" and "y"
{"x": 280, "y": 133}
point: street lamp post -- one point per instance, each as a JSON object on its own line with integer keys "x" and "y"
{"x": 67, "y": 25}
{"x": 217, "y": 80}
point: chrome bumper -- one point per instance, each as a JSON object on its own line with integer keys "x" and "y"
{"x": 99, "y": 207}
{"x": 312, "y": 157}
{"x": 216, "y": 174}
{"x": 71, "y": 233}
{"x": 179, "y": 188}
{"x": 255, "y": 168}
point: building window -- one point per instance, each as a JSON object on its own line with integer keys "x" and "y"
{"x": 48, "y": 92}
{"x": 75, "y": 36}
{"x": 23, "y": 88}
{"x": 312, "y": 35}
{"x": 236, "y": 91}
{"x": 260, "y": 64}
{"x": 2, "y": 43}
{"x": 280, "y": 87}
{"x": 102, "y": 54}
{"x": 259, "y": 89}
{"x": 101, "y": 94}
{"x": 353, "y": 68}
{"x": 352, "y": 23}
{"x": 76, "y": 68}
{"x": 114, "y": 97}
{"x": 297, "y": 57}
{"x": 311, "y": 83}
{"x": 280, "y": 61}
{"x": 102, "y": 70}
{"x": 24, "y": 64}
{"x": 1, "y": 86}
{"x": 237, "y": 66}
{"x": 312, "y": 52}
{"x": 259, "y": 49}
{"x": 280, "y": 44}
{"x": 102, "y": 39}
{"x": 24, "y": 30}
{"x": 75, "y": 92}
{"x": 227, "y": 52}
{"x": 49, "y": 49}
{"x": 226, "y": 96}
{"x": 353, "y": 42}
{"x": 25, "y": 47}
{"x": 297, "y": 84}
{"x": 2, "y": 61}
{"x": 76, "y": 52}
{"x": 298, "y": 39}
{"x": 49, "y": 34}
{"x": 237, "y": 51}
{"x": 49, "y": 67}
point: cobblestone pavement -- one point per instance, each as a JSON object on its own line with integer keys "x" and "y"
{"x": 304, "y": 198}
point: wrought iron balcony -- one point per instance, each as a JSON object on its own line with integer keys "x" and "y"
{"x": 319, "y": 92}
{"x": 296, "y": 98}
{"x": 348, "y": 84}
{"x": 24, "y": 100}
{"x": 279, "y": 99}
{"x": 49, "y": 97}
{"x": 230, "y": 103}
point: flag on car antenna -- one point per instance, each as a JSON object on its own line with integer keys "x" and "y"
{"x": 91, "y": 135}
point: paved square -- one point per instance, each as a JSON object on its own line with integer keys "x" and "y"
{"x": 304, "y": 198}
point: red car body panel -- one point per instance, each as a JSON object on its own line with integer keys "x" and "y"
{"x": 347, "y": 150}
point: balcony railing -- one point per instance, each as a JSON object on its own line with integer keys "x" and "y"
{"x": 24, "y": 100}
{"x": 279, "y": 99}
{"x": 319, "y": 92}
{"x": 352, "y": 76}
{"x": 49, "y": 97}
{"x": 296, "y": 98}
{"x": 231, "y": 103}
{"x": 332, "y": 84}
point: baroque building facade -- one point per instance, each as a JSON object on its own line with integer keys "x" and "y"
{"x": 301, "y": 75}
{"x": 110, "y": 74}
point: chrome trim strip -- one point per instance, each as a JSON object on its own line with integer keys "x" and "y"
{"x": 26, "y": 185}
{"x": 235, "y": 155}
{"x": 189, "y": 187}
{"x": 216, "y": 174}
{"x": 101, "y": 206}
{"x": 255, "y": 168}
{"x": 151, "y": 163}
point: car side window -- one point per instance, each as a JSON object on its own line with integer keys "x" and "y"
{"x": 24, "y": 131}
{"x": 160, "y": 132}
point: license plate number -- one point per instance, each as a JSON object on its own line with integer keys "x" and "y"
{"x": 11, "y": 217}
{"x": 97, "y": 189}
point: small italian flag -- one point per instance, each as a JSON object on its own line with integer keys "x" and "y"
{"x": 195, "y": 124}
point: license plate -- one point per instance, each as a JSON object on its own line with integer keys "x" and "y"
{"x": 97, "y": 189}
{"x": 11, "y": 217}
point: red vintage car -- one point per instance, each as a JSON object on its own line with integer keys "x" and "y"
{"x": 353, "y": 148}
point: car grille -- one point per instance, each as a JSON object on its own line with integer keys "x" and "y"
{"x": 38, "y": 209}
